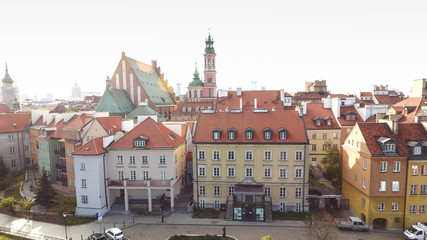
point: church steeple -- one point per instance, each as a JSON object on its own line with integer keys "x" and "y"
{"x": 7, "y": 78}
{"x": 108, "y": 83}
{"x": 210, "y": 67}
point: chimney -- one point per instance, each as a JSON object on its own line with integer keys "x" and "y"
{"x": 239, "y": 91}
{"x": 255, "y": 104}
{"x": 241, "y": 104}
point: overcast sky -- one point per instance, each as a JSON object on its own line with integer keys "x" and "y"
{"x": 48, "y": 45}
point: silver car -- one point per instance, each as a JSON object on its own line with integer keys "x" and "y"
{"x": 114, "y": 233}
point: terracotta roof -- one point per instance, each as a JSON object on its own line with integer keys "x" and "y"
{"x": 4, "y": 108}
{"x": 39, "y": 121}
{"x": 113, "y": 123}
{"x": 14, "y": 122}
{"x": 412, "y": 132}
{"x": 309, "y": 95}
{"x": 372, "y": 131}
{"x": 159, "y": 136}
{"x": 316, "y": 110}
{"x": 192, "y": 105}
{"x": 345, "y": 122}
{"x": 367, "y": 102}
{"x": 365, "y": 94}
{"x": 93, "y": 147}
{"x": 386, "y": 99}
{"x": 58, "y": 133}
{"x": 287, "y": 119}
{"x": 78, "y": 121}
{"x": 266, "y": 99}
{"x": 413, "y": 101}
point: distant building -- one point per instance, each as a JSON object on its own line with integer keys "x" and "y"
{"x": 75, "y": 93}
{"x": 9, "y": 93}
{"x": 316, "y": 86}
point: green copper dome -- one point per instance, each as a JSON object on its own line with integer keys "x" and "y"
{"x": 196, "y": 80}
{"x": 7, "y": 78}
{"x": 209, "y": 45}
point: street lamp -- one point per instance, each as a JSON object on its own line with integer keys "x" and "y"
{"x": 64, "y": 214}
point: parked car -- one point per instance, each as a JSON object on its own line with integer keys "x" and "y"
{"x": 417, "y": 232}
{"x": 352, "y": 223}
{"x": 114, "y": 233}
{"x": 96, "y": 236}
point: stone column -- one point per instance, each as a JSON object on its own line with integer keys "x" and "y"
{"x": 172, "y": 199}
{"x": 126, "y": 196}
{"x": 150, "y": 204}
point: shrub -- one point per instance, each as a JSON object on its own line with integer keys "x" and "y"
{"x": 8, "y": 204}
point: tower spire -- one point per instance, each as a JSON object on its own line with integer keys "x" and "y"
{"x": 7, "y": 78}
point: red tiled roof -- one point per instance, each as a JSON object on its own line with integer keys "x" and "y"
{"x": 193, "y": 106}
{"x": 58, "y": 133}
{"x": 93, "y": 147}
{"x": 345, "y": 122}
{"x": 77, "y": 122}
{"x": 113, "y": 123}
{"x": 365, "y": 94}
{"x": 39, "y": 121}
{"x": 367, "y": 102}
{"x": 310, "y": 95}
{"x": 372, "y": 131}
{"x": 157, "y": 133}
{"x": 412, "y": 131}
{"x": 386, "y": 99}
{"x": 265, "y": 100}
{"x": 14, "y": 122}
{"x": 287, "y": 119}
{"x": 412, "y": 102}
{"x": 4, "y": 108}
{"x": 317, "y": 110}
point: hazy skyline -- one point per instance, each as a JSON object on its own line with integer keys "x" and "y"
{"x": 49, "y": 45}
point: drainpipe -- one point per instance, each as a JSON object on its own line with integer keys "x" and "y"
{"x": 105, "y": 185}
{"x": 197, "y": 175}
{"x": 303, "y": 179}
{"x": 404, "y": 200}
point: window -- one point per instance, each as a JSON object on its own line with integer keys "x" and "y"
{"x": 282, "y": 206}
{"x": 396, "y": 166}
{"x": 394, "y": 206}
{"x": 313, "y": 136}
{"x": 230, "y": 155}
{"x": 267, "y": 191}
{"x": 382, "y": 186}
{"x": 414, "y": 170}
{"x": 131, "y": 159}
{"x": 216, "y": 135}
{"x": 145, "y": 175}
{"x": 230, "y": 190}
{"x": 202, "y": 190}
{"x": 202, "y": 204}
{"x": 298, "y": 171}
{"x": 313, "y": 147}
{"x": 364, "y": 182}
{"x": 11, "y": 150}
{"x": 412, "y": 208}
{"x": 417, "y": 150}
{"x": 11, "y": 138}
{"x": 298, "y": 192}
{"x": 324, "y": 147}
{"x": 395, "y": 186}
{"x": 217, "y": 204}
{"x": 82, "y": 166}
{"x": 231, "y": 135}
{"x": 383, "y": 166}
{"x": 121, "y": 175}
{"x": 144, "y": 159}
{"x": 216, "y": 191}
{"x": 283, "y": 171}
{"x": 282, "y": 135}
{"x": 68, "y": 152}
{"x": 162, "y": 159}
{"x": 283, "y": 155}
{"x": 201, "y": 155}
{"x": 325, "y": 136}
{"x": 249, "y": 171}
{"x": 119, "y": 159}
{"x": 363, "y": 202}
{"x": 267, "y": 155}
{"x": 83, "y": 183}
{"x": 216, "y": 171}
{"x": 390, "y": 147}
{"x": 423, "y": 189}
{"x": 414, "y": 189}
{"x": 424, "y": 169}
{"x": 282, "y": 192}
{"x": 231, "y": 172}
{"x": 84, "y": 199}
{"x": 162, "y": 175}
{"x": 299, "y": 156}
{"x": 298, "y": 207}
{"x": 267, "y": 171}
{"x": 364, "y": 164}
{"x": 202, "y": 170}
{"x": 381, "y": 206}
{"x": 249, "y": 135}
{"x": 215, "y": 155}
{"x": 267, "y": 135}
{"x": 132, "y": 175}
{"x": 139, "y": 143}
{"x": 335, "y": 135}
{"x": 422, "y": 209}
{"x": 249, "y": 155}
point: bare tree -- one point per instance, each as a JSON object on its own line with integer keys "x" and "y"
{"x": 320, "y": 230}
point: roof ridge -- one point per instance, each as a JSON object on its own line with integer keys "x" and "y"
{"x": 161, "y": 133}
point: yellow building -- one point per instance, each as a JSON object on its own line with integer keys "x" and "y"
{"x": 251, "y": 163}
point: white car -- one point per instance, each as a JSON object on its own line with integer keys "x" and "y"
{"x": 114, "y": 233}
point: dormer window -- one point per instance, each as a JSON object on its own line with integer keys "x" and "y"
{"x": 184, "y": 109}
{"x": 216, "y": 134}
{"x": 417, "y": 150}
{"x": 349, "y": 116}
{"x": 140, "y": 142}
{"x": 231, "y": 133}
{"x": 249, "y": 134}
{"x": 328, "y": 121}
{"x": 390, "y": 147}
{"x": 267, "y": 133}
{"x": 283, "y": 134}
{"x": 317, "y": 122}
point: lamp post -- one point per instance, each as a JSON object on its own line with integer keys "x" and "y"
{"x": 64, "y": 214}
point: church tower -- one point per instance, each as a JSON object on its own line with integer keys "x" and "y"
{"x": 210, "y": 69}
{"x": 8, "y": 91}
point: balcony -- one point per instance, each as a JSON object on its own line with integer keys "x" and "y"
{"x": 139, "y": 183}
{"x": 60, "y": 152}
{"x": 61, "y": 167}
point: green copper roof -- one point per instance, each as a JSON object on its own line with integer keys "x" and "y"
{"x": 196, "y": 80}
{"x": 115, "y": 101}
{"x": 151, "y": 83}
{"x": 209, "y": 45}
{"x": 7, "y": 78}
{"x": 143, "y": 110}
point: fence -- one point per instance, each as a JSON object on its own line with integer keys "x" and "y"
{"x": 28, "y": 235}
